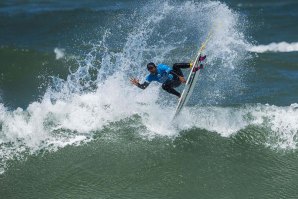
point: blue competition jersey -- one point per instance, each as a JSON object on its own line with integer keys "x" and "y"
{"x": 161, "y": 75}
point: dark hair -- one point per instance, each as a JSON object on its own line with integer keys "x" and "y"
{"x": 150, "y": 65}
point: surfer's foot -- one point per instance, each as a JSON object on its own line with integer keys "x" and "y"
{"x": 202, "y": 58}
{"x": 198, "y": 68}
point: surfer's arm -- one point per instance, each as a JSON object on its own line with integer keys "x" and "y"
{"x": 136, "y": 82}
{"x": 143, "y": 86}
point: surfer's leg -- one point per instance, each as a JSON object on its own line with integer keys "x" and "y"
{"x": 181, "y": 65}
{"x": 177, "y": 68}
{"x": 168, "y": 86}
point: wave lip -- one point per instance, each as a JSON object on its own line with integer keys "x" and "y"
{"x": 275, "y": 47}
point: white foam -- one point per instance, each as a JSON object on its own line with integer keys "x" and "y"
{"x": 281, "y": 122}
{"x": 59, "y": 52}
{"x": 275, "y": 47}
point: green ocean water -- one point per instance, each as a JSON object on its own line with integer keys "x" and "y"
{"x": 72, "y": 126}
{"x": 197, "y": 164}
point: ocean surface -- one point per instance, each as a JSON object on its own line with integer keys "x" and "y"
{"x": 72, "y": 125}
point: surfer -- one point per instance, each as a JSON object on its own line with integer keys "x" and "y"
{"x": 170, "y": 78}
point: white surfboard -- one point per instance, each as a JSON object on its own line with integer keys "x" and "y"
{"x": 189, "y": 85}
{"x": 191, "y": 80}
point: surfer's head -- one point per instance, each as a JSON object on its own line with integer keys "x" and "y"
{"x": 151, "y": 67}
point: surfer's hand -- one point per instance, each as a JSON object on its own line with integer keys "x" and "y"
{"x": 134, "y": 81}
{"x": 182, "y": 79}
